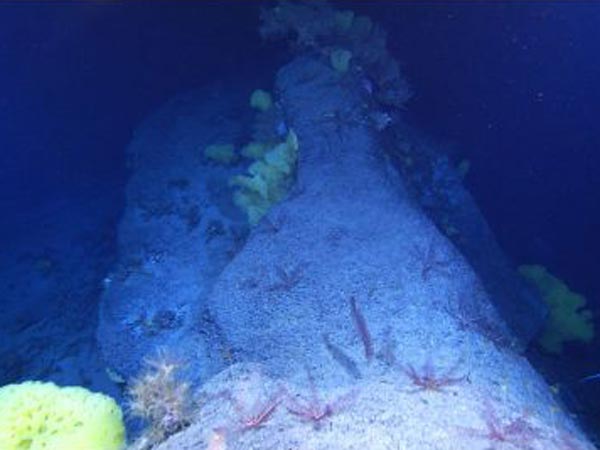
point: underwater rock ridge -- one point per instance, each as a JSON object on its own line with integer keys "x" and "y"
{"x": 341, "y": 317}
{"x": 352, "y": 228}
{"x": 349, "y": 320}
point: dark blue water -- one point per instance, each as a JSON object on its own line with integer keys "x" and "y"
{"x": 513, "y": 88}
{"x": 78, "y": 77}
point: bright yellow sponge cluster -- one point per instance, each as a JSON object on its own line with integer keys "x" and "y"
{"x": 36, "y": 415}
{"x": 268, "y": 178}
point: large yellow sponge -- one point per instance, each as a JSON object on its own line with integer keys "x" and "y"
{"x": 36, "y": 415}
{"x": 569, "y": 319}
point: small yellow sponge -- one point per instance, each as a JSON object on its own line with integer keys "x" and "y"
{"x": 261, "y": 100}
{"x": 36, "y": 415}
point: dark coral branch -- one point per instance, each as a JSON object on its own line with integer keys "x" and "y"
{"x": 342, "y": 358}
{"x": 362, "y": 328}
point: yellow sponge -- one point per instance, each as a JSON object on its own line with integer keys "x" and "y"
{"x": 569, "y": 319}
{"x": 261, "y": 100}
{"x": 221, "y": 153}
{"x": 268, "y": 179}
{"x": 36, "y": 415}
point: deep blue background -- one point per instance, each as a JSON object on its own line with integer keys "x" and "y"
{"x": 77, "y": 77}
{"x": 515, "y": 88}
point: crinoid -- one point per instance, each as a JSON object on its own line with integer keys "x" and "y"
{"x": 517, "y": 432}
{"x": 429, "y": 378}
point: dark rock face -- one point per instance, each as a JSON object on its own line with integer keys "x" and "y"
{"x": 176, "y": 235}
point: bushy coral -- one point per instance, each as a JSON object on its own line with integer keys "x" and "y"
{"x": 36, "y": 415}
{"x": 160, "y": 398}
{"x": 569, "y": 320}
